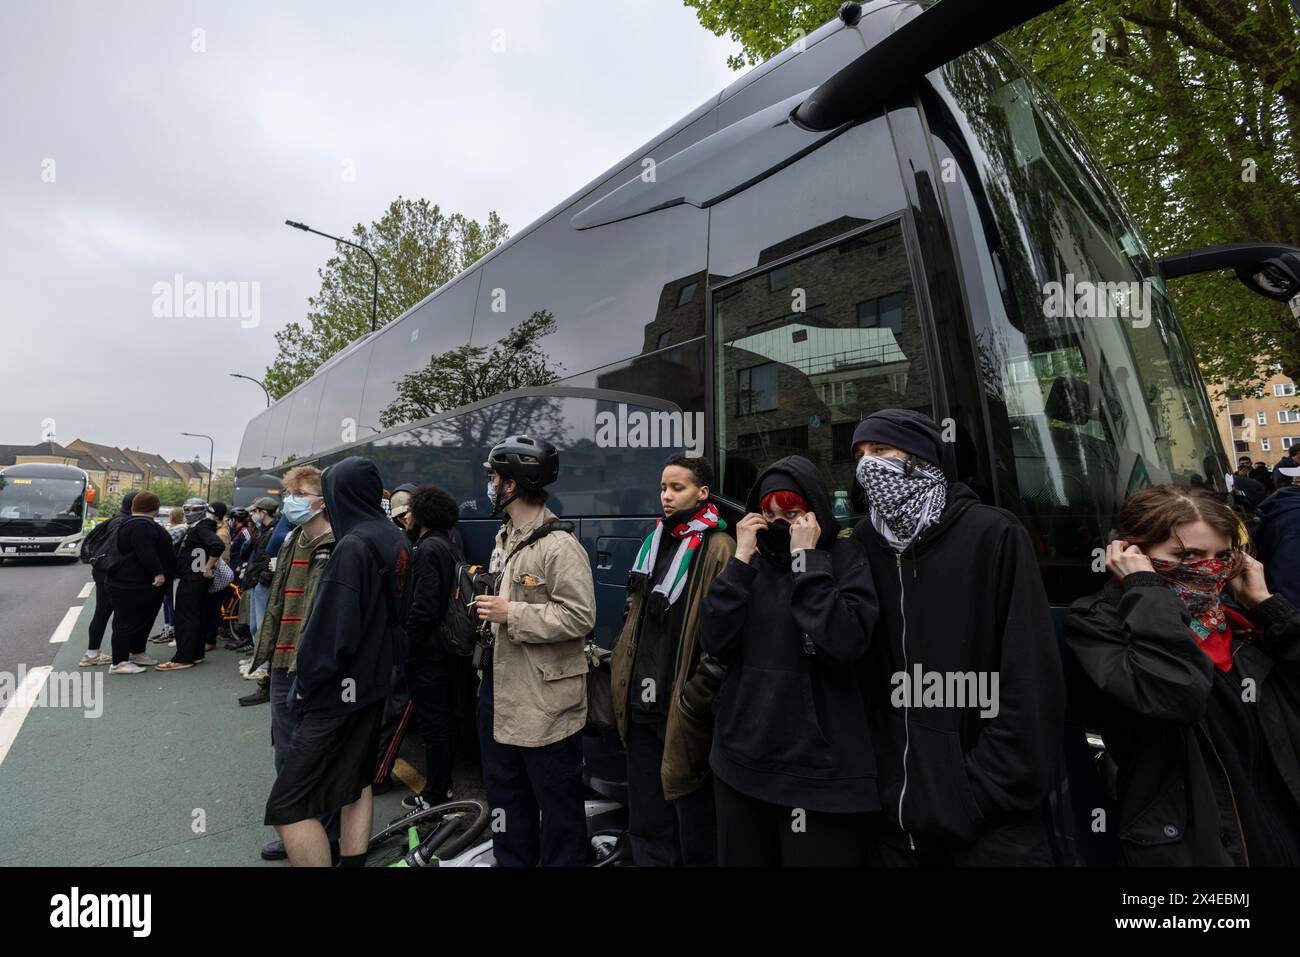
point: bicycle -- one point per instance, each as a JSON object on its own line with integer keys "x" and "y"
{"x": 428, "y": 837}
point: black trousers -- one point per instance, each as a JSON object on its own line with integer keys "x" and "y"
{"x": 429, "y": 684}
{"x": 134, "y": 612}
{"x": 1017, "y": 840}
{"x": 103, "y": 610}
{"x": 189, "y": 619}
{"x": 211, "y": 615}
{"x": 665, "y": 833}
{"x": 538, "y": 812}
{"x": 753, "y": 833}
{"x": 393, "y": 726}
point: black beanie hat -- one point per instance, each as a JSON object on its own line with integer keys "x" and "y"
{"x": 778, "y": 482}
{"x": 904, "y": 429}
{"x": 218, "y": 509}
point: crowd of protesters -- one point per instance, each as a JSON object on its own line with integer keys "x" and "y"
{"x": 790, "y": 692}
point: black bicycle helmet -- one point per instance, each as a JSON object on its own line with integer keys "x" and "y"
{"x": 239, "y": 513}
{"x": 532, "y": 463}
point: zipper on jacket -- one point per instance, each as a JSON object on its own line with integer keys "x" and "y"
{"x": 1241, "y": 832}
{"x": 907, "y": 731}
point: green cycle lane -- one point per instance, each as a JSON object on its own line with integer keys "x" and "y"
{"x": 163, "y": 769}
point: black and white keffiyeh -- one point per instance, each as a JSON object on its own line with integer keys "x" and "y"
{"x": 904, "y": 498}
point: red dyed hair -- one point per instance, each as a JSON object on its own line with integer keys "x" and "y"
{"x": 784, "y": 501}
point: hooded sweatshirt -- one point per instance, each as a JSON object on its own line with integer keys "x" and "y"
{"x": 963, "y": 602}
{"x": 354, "y": 634}
{"x": 791, "y": 724}
{"x": 1278, "y": 540}
{"x": 96, "y": 540}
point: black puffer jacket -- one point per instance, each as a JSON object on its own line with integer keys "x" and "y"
{"x": 1209, "y": 772}
{"x": 791, "y": 724}
{"x": 965, "y": 599}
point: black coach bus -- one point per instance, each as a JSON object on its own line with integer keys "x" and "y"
{"x": 892, "y": 213}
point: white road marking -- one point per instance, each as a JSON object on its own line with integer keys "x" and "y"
{"x": 64, "y": 631}
{"x": 86, "y": 589}
{"x": 15, "y": 713}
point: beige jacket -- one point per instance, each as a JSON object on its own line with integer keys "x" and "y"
{"x": 539, "y": 669}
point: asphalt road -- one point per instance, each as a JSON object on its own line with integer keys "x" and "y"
{"x": 35, "y": 598}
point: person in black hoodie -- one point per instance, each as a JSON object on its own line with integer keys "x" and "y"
{"x": 791, "y": 616}
{"x": 137, "y": 584}
{"x": 1197, "y": 699}
{"x": 195, "y": 558}
{"x": 345, "y": 666}
{"x": 103, "y": 601}
{"x": 431, "y": 515}
{"x": 967, "y": 686}
{"x": 1278, "y": 540}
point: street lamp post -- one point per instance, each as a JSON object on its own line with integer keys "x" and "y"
{"x": 211, "y": 447}
{"x": 236, "y": 375}
{"x": 374, "y": 298}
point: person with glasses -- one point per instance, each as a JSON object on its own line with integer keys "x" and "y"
{"x": 1193, "y": 668}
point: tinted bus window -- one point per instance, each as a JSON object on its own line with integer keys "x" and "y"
{"x": 851, "y": 181}
{"x": 406, "y": 346}
{"x": 250, "y": 450}
{"x": 1099, "y": 394}
{"x": 273, "y": 445}
{"x": 300, "y": 431}
{"x": 337, "y": 421}
{"x": 799, "y": 363}
{"x": 628, "y": 279}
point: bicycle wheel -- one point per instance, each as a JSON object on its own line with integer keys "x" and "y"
{"x": 438, "y": 829}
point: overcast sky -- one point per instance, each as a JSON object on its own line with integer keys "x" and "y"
{"x": 129, "y": 157}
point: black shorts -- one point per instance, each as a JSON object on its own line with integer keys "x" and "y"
{"x": 330, "y": 762}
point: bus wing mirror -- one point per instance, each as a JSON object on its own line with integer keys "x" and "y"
{"x": 1271, "y": 270}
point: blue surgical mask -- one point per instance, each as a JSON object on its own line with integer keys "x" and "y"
{"x": 298, "y": 510}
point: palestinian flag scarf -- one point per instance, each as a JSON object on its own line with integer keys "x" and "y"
{"x": 690, "y": 535}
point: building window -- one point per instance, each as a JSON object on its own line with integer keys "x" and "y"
{"x": 778, "y": 279}
{"x": 756, "y": 389}
{"x": 1288, "y": 415}
{"x": 1263, "y": 444}
{"x": 687, "y": 293}
{"x": 884, "y": 312}
{"x": 1281, "y": 389}
{"x": 1261, "y": 418}
{"x": 1289, "y": 440}
{"x": 663, "y": 339}
{"x": 1237, "y": 420}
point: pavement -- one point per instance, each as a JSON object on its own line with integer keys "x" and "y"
{"x": 158, "y": 769}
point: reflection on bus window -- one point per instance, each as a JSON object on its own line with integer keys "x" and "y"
{"x": 1099, "y": 393}
{"x": 810, "y": 347}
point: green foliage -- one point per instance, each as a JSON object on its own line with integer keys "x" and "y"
{"x": 170, "y": 492}
{"x": 223, "y": 486}
{"x": 417, "y": 247}
{"x": 108, "y": 503}
{"x": 1193, "y": 109}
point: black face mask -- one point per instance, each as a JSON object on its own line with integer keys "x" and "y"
{"x": 777, "y": 539}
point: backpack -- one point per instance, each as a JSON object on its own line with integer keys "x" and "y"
{"x": 111, "y": 558}
{"x": 460, "y": 625}
{"x": 92, "y": 545}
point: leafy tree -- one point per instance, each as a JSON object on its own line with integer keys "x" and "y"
{"x": 171, "y": 492}
{"x": 417, "y": 247}
{"x": 469, "y": 374}
{"x": 1193, "y": 108}
{"x": 223, "y": 486}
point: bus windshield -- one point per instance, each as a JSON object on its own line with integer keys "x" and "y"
{"x": 41, "y": 499}
{"x": 1099, "y": 388}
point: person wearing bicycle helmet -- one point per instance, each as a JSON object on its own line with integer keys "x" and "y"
{"x": 533, "y": 696}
